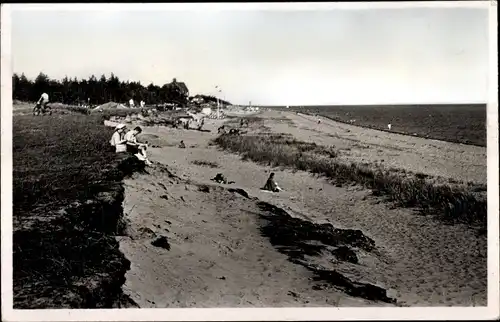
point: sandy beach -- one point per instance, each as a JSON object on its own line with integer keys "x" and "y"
{"x": 210, "y": 246}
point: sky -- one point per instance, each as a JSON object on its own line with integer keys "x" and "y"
{"x": 269, "y": 57}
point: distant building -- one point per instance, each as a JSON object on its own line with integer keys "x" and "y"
{"x": 206, "y": 111}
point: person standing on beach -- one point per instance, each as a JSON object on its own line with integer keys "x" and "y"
{"x": 200, "y": 124}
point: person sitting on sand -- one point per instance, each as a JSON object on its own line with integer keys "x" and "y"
{"x": 234, "y": 131}
{"x": 136, "y": 148}
{"x": 118, "y": 139}
{"x": 220, "y": 178}
{"x": 271, "y": 184}
{"x": 243, "y": 122}
{"x": 182, "y": 145}
{"x": 221, "y": 130}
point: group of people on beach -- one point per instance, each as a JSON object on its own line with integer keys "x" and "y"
{"x": 126, "y": 141}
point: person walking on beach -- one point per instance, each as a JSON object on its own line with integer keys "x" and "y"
{"x": 186, "y": 124}
{"x": 118, "y": 139}
{"x": 200, "y": 124}
{"x": 136, "y": 148}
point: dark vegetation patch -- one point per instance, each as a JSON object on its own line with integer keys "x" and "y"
{"x": 353, "y": 288}
{"x": 249, "y": 121}
{"x": 451, "y": 203}
{"x": 239, "y": 191}
{"x": 298, "y": 238}
{"x": 204, "y": 188}
{"x": 67, "y": 210}
{"x": 345, "y": 254}
{"x": 205, "y": 163}
{"x": 96, "y": 91}
{"x": 287, "y": 231}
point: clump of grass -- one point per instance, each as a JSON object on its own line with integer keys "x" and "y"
{"x": 253, "y": 119}
{"x": 453, "y": 203}
{"x": 204, "y": 163}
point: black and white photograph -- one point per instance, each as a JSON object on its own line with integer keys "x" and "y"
{"x": 249, "y": 161}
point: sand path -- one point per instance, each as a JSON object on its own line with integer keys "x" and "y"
{"x": 217, "y": 256}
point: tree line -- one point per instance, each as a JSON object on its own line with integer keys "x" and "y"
{"x": 95, "y": 91}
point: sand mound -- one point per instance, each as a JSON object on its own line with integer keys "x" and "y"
{"x": 57, "y": 105}
{"x": 109, "y": 105}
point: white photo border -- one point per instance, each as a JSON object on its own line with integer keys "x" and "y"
{"x": 251, "y": 314}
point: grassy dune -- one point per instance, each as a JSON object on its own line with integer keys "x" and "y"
{"x": 451, "y": 202}
{"x": 67, "y": 196}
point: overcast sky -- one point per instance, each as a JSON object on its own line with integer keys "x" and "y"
{"x": 417, "y": 55}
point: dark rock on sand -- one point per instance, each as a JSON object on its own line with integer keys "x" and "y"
{"x": 161, "y": 242}
{"x": 345, "y": 254}
{"x": 239, "y": 191}
{"x": 204, "y": 188}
